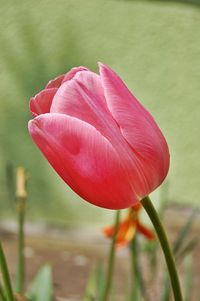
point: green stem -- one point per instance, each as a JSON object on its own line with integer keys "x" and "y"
{"x": 2, "y": 295}
{"x": 138, "y": 289}
{"x": 166, "y": 290}
{"x": 21, "y": 197}
{"x": 148, "y": 206}
{"x": 135, "y": 270}
{"x": 20, "y": 272}
{"x": 5, "y": 276}
{"x": 108, "y": 281}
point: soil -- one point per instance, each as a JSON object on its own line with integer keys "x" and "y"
{"x": 73, "y": 253}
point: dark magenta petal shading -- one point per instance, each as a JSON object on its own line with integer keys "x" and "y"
{"x": 41, "y": 103}
{"x": 84, "y": 159}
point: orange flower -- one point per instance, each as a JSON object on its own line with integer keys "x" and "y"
{"x": 128, "y": 227}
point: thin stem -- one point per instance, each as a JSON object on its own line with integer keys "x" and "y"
{"x": 148, "y": 206}
{"x": 21, "y": 196}
{"x": 135, "y": 270}
{"x": 137, "y": 277}
{"x": 20, "y": 271}
{"x": 5, "y": 276}
{"x": 109, "y": 274}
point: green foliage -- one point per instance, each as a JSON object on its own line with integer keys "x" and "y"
{"x": 95, "y": 285}
{"x": 6, "y": 291}
{"x": 188, "y": 283}
{"x": 138, "y": 285}
{"x": 182, "y": 249}
{"x": 2, "y": 294}
{"x": 183, "y": 234}
{"x": 41, "y": 288}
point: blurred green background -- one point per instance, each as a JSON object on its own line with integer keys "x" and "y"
{"x": 153, "y": 45}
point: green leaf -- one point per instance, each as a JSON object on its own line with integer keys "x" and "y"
{"x": 7, "y": 286}
{"x": 41, "y": 288}
{"x": 100, "y": 281}
{"x": 90, "y": 287}
{"x": 151, "y": 249}
{"x": 166, "y": 290}
{"x": 180, "y": 251}
{"x": 95, "y": 285}
{"x": 138, "y": 289}
{"x": 2, "y": 294}
{"x": 183, "y": 233}
{"x": 188, "y": 277}
{"x": 189, "y": 247}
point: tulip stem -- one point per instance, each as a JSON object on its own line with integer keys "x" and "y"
{"x": 21, "y": 197}
{"x": 109, "y": 274}
{"x": 20, "y": 272}
{"x": 148, "y": 206}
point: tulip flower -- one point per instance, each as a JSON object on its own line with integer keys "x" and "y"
{"x": 99, "y": 138}
{"x": 128, "y": 227}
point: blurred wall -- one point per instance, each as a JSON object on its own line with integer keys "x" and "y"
{"x": 153, "y": 45}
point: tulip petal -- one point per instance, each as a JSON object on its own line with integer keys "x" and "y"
{"x": 69, "y": 75}
{"x": 41, "y": 103}
{"x": 55, "y": 83}
{"x": 137, "y": 127}
{"x": 83, "y": 97}
{"x": 84, "y": 159}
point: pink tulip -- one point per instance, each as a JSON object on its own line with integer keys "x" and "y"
{"x": 97, "y": 136}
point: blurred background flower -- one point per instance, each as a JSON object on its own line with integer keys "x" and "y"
{"x": 128, "y": 228}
